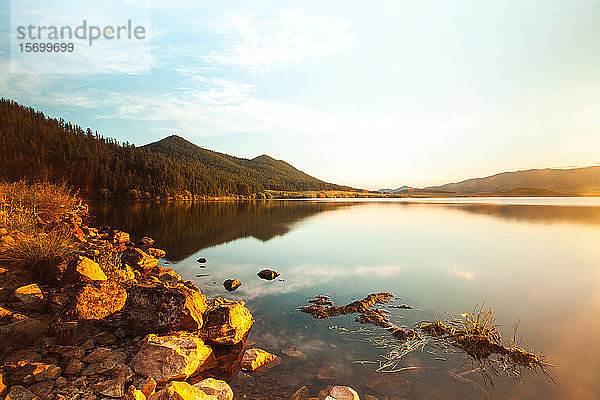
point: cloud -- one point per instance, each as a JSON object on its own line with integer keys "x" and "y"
{"x": 289, "y": 38}
{"x": 461, "y": 273}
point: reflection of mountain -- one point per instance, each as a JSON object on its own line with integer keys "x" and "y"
{"x": 534, "y": 213}
{"x": 183, "y": 228}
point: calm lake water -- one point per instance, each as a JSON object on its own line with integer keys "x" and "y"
{"x": 535, "y": 260}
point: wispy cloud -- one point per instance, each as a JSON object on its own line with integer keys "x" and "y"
{"x": 259, "y": 44}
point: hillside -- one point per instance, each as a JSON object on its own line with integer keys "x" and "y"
{"x": 270, "y": 173}
{"x": 36, "y": 147}
{"x": 575, "y": 181}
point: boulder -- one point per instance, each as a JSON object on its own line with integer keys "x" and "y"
{"x": 84, "y": 269}
{"x": 227, "y": 322}
{"x": 119, "y": 237}
{"x": 31, "y": 297}
{"x": 165, "y": 275}
{"x": 138, "y": 259}
{"x": 42, "y": 389}
{"x": 155, "y": 308}
{"x": 73, "y": 333}
{"x": 22, "y": 333}
{"x": 169, "y": 357}
{"x": 328, "y": 374}
{"x": 42, "y": 372}
{"x": 20, "y": 393}
{"x": 231, "y": 284}
{"x": 7, "y": 316}
{"x": 156, "y": 253}
{"x": 98, "y": 300}
{"x": 343, "y": 393}
{"x": 114, "y": 387}
{"x": 268, "y": 274}
{"x": 202, "y": 260}
{"x": 181, "y": 391}
{"x": 74, "y": 367}
{"x": 215, "y": 387}
{"x": 255, "y": 358}
{"x": 97, "y": 355}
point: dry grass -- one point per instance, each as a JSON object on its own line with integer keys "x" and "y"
{"x": 26, "y": 211}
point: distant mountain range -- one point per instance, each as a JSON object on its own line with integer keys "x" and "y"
{"x": 531, "y": 182}
{"x": 397, "y": 190}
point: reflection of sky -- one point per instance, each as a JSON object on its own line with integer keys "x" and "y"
{"x": 437, "y": 259}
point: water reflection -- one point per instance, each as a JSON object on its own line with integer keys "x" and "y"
{"x": 536, "y": 263}
{"x": 184, "y": 228}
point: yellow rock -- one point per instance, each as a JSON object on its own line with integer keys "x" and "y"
{"x": 181, "y": 391}
{"x": 255, "y": 358}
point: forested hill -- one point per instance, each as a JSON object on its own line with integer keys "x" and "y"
{"x": 270, "y": 173}
{"x": 33, "y": 146}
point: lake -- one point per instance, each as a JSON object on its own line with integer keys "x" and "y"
{"x": 537, "y": 261}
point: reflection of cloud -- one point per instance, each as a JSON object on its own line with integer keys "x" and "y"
{"x": 301, "y": 277}
{"x": 461, "y": 273}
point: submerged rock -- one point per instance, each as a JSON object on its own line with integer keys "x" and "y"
{"x": 231, "y": 284}
{"x": 201, "y": 260}
{"x": 145, "y": 241}
{"x": 215, "y": 387}
{"x": 227, "y": 322}
{"x": 342, "y": 393}
{"x": 155, "y": 308}
{"x": 171, "y": 357}
{"x": 181, "y": 391}
{"x": 268, "y": 274}
{"x": 254, "y": 359}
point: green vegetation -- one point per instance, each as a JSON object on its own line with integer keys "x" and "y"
{"x": 35, "y": 147}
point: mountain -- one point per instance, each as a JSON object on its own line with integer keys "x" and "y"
{"x": 36, "y": 147}
{"x": 397, "y": 190}
{"x": 540, "y": 182}
{"x": 270, "y": 173}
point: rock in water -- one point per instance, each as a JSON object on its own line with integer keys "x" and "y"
{"x": 231, "y": 284}
{"x": 201, "y": 260}
{"x": 138, "y": 259}
{"x": 169, "y": 357}
{"x": 98, "y": 300}
{"x": 227, "y": 322}
{"x": 145, "y": 241}
{"x": 215, "y": 387}
{"x": 268, "y": 274}
{"x": 343, "y": 393}
{"x": 156, "y": 308}
{"x": 301, "y": 394}
{"x": 181, "y": 391}
{"x": 255, "y": 358}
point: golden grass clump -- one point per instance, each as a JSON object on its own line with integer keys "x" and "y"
{"x": 33, "y": 236}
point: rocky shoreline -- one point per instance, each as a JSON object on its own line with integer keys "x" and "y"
{"x": 109, "y": 322}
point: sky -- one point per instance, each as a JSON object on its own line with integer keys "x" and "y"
{"x": 369, "y": 94}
